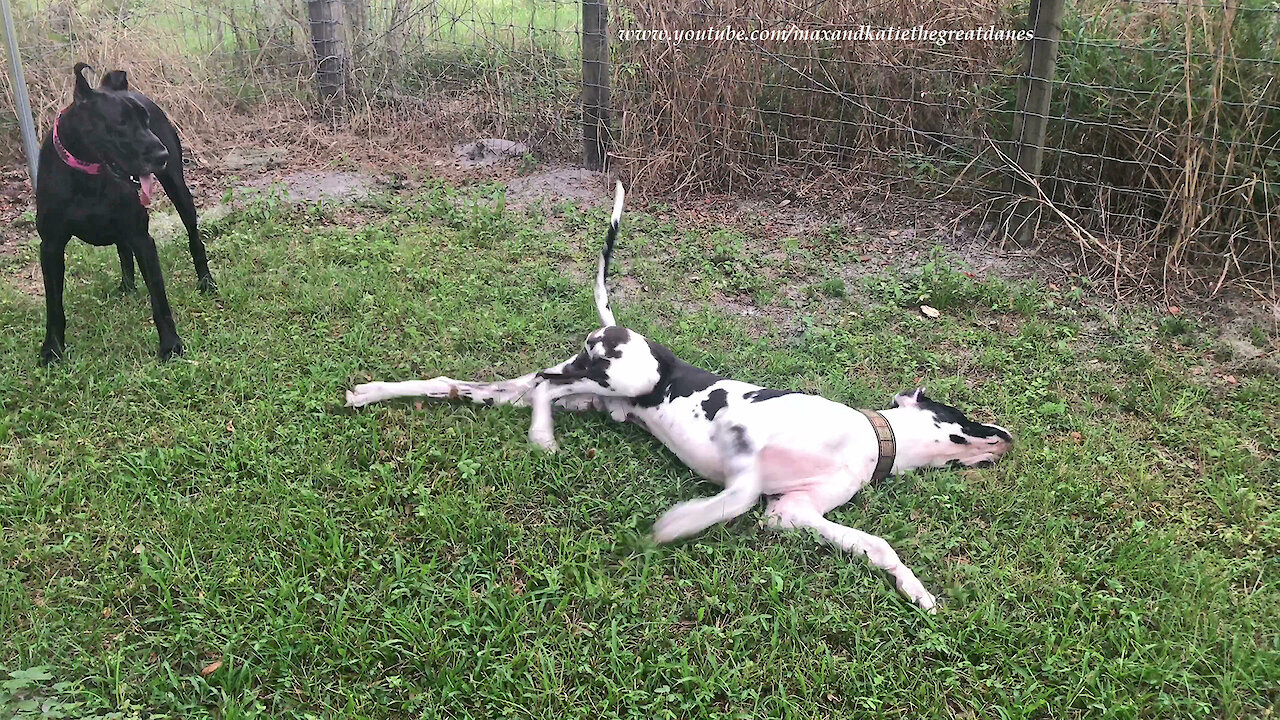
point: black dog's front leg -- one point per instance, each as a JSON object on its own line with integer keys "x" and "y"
{"x": 127, "y": 283}
{"x": 144, "y": 249}
{"x": 53, "y": 247}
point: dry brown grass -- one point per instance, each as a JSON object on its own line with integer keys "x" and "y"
{"x": 1167, "y": 121}
{"x": 720, "y": 113}
{"x": 1173, "y": 158}
{"x": 195, "y": 86}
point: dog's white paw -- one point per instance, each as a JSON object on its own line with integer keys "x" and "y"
{"x": 362, "y": 395}
{"x": 668, "y": 528}
{"x": 546, "y": 442}
{"x": 912, "y": 588}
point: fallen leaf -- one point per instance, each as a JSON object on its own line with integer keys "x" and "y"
{"x": 1174, "y": 309}
{"x": 211, "y": 668}
{"x": 1075, "y": 435}
{"x": 231, "y": 426}
{"x": 930, "y": 311}
{"x": 591, "y": 452}
{"x": 1231, "y": 379}
{"x": 106, "y": 612}
{"x": 417, "y": 405}
{"x": 1197, "y": 371}
{"x": 137, "y": 550}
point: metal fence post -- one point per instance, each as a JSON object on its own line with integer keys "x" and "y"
{"x": 595, "y": 84}
{"x": 325, "y": 17}
{"x": 21, "y": 100}
{"x": 1035, "y": 89}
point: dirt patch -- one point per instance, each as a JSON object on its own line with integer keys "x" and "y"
{"x": 486, "y": 152}
{"x": 253, "y": 160}
{"x": 1248, "y": 331}
{"x": 27, "y": 279}
{"x": 574, "y": 184}
{"x": 16, "y": 199}
{"x": 314, "y": 186}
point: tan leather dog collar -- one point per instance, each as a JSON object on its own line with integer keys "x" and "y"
{"x": 885, "y": 443}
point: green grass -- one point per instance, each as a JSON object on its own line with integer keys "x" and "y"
{"x": 425, "y": 562}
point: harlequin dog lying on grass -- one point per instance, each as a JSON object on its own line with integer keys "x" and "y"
{"x": 807, "y": 455}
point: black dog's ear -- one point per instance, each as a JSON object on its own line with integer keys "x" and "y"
{"x": 83, "y": 90}
{"x": 115, "y": 80}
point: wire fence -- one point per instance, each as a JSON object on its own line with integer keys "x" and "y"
{"x": 1161, "y": 127}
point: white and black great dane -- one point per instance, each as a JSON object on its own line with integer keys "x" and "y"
{"x": 806, "y": 454}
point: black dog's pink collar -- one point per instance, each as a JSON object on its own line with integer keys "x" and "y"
{"x": 71, "y": 160}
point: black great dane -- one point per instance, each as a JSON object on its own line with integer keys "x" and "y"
{"x": 98, "y": 169}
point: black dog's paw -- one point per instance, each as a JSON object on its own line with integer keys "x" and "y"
{"x": 207, "y": 285}
{"x": 127, "y": 288}
{"x": 51, "y": 353}
{"x": 171, "y": 349}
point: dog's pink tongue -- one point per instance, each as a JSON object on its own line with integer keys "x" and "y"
{"x": 147, "y": 182}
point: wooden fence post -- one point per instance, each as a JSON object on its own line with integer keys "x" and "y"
{"x": 595, "y": 84}
{"x": 1035, "y": 89}
{"x": 331, "y": 55}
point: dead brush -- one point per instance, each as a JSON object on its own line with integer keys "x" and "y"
{"x": 197, "y": 80}
{"x": 1171, "y": 142}
{"x": 720, "y": 114}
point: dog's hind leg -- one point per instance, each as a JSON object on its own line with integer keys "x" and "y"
{"x": 144, "y": 249}
{"x": 127, "y": 282}
{"x": 742, "y": 485}
{"x": 175, "y": 186}
{"x": 797, "y": 510}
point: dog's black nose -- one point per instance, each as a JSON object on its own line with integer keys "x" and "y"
{"x": 159, "y": 157}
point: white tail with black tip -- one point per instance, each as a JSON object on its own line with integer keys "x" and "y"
{"x": 602, "y": 268}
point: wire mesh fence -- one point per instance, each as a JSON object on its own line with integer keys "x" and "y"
{"x": 1160, "y": 135}
{"x": 199, "y": 59}
{"x": 1165, "y": 133}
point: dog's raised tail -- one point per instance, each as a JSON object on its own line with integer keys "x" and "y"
{"x": 602, "y": 268}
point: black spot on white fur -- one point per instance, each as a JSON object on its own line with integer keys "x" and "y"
{"x": 613, "y": 338}
{"x": 959, "y": 439}
{"x": 582, "y": 366}
{"x": 676, "y": 378}
{"x": 715, "y": 402}
{"x": 763, "y": 394}
{"x": 741, "y": 445}
{"x": 943, "y": 413}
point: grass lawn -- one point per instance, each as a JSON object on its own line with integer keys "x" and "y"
{"x": 424, "y": 561}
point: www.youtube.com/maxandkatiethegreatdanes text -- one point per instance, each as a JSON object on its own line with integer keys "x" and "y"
{"x": 861, "y": 33}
